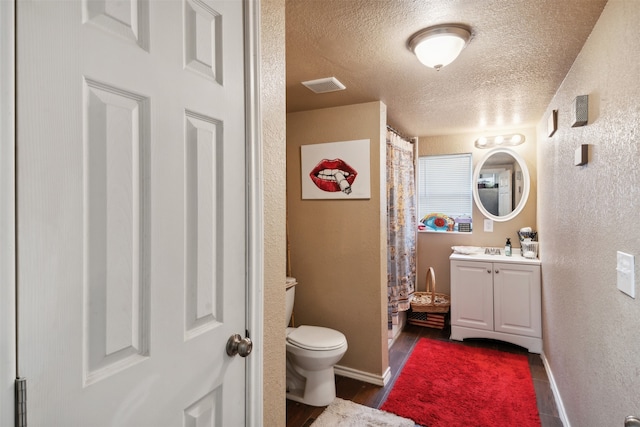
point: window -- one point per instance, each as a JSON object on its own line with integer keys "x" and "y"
{"x": 445, "y": 192}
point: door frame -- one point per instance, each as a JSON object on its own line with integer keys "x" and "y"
{"x": 255, "y": 210}
{"x": 254, "y": 205}
{"x": 8, "y": 365}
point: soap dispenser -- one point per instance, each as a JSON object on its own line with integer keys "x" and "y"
{"x": 507, "y": 247}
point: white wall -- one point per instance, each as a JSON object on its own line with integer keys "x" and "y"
{"x": 585, "y": 214}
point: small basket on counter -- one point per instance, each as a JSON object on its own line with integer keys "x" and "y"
{"x": 430, "y": 301}
{"x": 527, "y": 235}
{"x": 529, "y": 249}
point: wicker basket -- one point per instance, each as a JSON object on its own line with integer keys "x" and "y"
{"x": 430, "y": 301}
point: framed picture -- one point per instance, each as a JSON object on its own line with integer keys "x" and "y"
{"x": 336, "y": 170}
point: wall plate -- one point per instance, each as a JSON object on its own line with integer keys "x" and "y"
{"x": 626, "y": 274}
{"x": 552, "y": 123}
{"x": 581, "y": 156}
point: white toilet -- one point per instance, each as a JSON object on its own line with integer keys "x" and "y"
{"x": 312, "y": 351}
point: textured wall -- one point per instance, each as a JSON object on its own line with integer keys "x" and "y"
{"x": 274, "y": 166}
{"x": 434, "y": 248}
{"x": 585, "y": 214}
{"x": 338, "y": 247}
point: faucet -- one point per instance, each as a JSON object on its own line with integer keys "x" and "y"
{"x": 492, "y": 251}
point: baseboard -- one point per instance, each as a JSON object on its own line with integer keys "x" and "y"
{"x": 562, "y": 414}
{"x": 366, "y": 377}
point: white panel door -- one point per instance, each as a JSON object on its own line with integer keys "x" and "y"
{"x": 517, "y": 299}
{"x": 131, "y": 211}
{"x": 505, "y": 201}
{"x": 472, "y": 295}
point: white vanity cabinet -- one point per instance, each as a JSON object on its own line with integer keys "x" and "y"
{"x": 498, "y": 297}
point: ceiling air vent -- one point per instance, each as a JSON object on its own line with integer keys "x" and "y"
{"x": 329, "y": 84}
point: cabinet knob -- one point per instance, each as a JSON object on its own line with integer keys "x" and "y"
{"x": 497, "y": 271}
{"x": 489, "y": 271}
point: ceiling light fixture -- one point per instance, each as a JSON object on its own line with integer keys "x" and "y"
{"x": 440, "y": 45}
{"x": 499, "y": 141}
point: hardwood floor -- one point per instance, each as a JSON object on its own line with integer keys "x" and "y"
{"x": 299, "y": 415}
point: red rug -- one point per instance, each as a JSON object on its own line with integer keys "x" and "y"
{"x": 447, "y": 384}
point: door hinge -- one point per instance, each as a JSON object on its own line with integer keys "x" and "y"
{"x": 21, "y": 402}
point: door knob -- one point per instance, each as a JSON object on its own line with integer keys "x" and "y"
{"x": 631, "y": 421}
{"x": 238, "y": 345}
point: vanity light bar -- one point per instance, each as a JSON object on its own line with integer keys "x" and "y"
{"x": 499, "y": 140}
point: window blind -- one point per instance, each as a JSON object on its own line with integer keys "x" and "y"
{"x": 444, "y": 185}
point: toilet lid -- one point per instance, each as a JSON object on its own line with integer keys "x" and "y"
{"x": 316, "y": 338}
{"x": 291, "y": 281}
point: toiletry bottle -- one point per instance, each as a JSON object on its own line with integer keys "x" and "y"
{"x": 507, "y": 247}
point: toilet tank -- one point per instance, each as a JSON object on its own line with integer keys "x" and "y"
{"x": 290, "y": 298}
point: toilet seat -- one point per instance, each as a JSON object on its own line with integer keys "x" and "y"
{"x": 316, "y": 338}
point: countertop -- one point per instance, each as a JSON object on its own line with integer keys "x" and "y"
{"x": 515, "y": 258}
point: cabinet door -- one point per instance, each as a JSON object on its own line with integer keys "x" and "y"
{"x": 472, "y": 294}
{"x": 517, "y": 299}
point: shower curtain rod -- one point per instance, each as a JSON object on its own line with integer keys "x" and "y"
{"x": 411, "y": 140}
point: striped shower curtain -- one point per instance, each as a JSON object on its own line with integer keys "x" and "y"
{"x": 401, "y": 228}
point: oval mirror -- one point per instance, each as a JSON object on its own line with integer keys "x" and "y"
{"x": 501, "y": 184}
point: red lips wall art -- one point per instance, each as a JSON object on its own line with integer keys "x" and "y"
{"x": 333, "y": 175}
{"x": 336, "y": 170}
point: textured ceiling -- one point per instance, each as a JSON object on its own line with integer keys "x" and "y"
{"x": 518, "y": 56}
